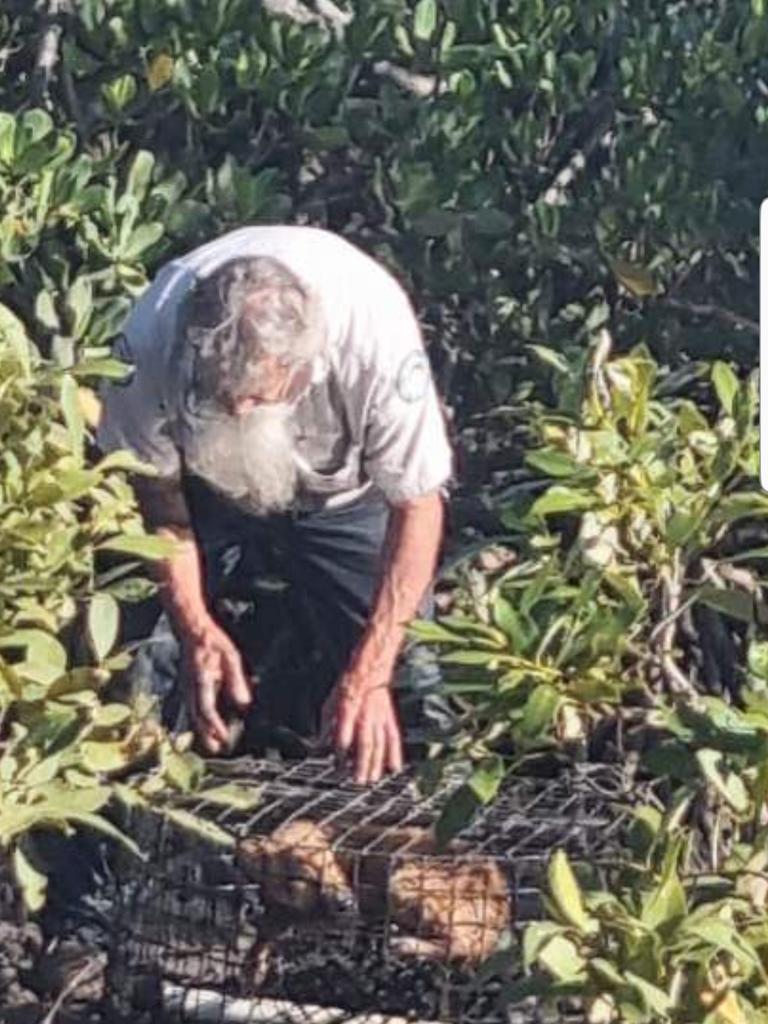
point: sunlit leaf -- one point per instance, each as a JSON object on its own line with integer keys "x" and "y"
{"x": 160, "y": 71}
{"x": 566, "y": 893}
{"x": 103, "y": 624}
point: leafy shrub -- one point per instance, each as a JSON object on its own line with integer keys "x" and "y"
{"x": 64, "y": 742}
{"x": 585, "y": 639}
{"x": 663, "y": 946}
{"x": 625, "y": 539}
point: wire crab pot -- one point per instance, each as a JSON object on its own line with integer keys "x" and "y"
{"x": 331, "y": 903}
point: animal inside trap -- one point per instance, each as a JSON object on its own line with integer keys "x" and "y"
{"x": 336, "y": 898}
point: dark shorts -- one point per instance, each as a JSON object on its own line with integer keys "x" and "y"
{"x": 295, "y": 592}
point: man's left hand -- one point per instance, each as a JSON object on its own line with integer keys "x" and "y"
{"x": 364, "y": 721}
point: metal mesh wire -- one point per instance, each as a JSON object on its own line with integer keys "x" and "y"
{"x": 352, "y": 914}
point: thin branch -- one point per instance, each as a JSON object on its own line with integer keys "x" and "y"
{"x": 597, "y": 130}
{"x": 672, "y": 588}
{"x": 706, "y": 309}
{"x": 326, "y": 13}
{"x": 86, "y": 971}
{"x": 48, "y": 51}
{"x": 422, "y": 86}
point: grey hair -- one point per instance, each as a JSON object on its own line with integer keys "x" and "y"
{"x": 227, "y": 341}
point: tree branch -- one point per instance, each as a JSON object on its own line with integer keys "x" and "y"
{"x": 706, "y": 309}
{"x": 326, "y": 13}
{"x": 672, "y": 588}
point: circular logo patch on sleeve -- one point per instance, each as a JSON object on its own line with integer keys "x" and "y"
{"x": 413, "y": 376}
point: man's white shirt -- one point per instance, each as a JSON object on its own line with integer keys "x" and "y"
{"x": 370, "y": 420}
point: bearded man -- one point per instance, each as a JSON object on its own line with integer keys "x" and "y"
{"x": 282, "y": 393}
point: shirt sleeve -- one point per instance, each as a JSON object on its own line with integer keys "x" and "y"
{"x": 406, "y": 451}
{"x": 134, "y": 414}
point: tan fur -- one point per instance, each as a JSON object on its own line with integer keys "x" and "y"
{"x": 462, "y": 909}
{"x": 451, "y": 908}
{"x": 297, "y": 869}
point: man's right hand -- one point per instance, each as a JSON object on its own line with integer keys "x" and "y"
{"x": 213, "y": 668}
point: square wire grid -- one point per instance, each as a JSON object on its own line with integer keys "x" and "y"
{"x": 188, "y": 919}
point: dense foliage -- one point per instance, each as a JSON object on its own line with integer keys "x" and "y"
{"x": 623, "y": 618}
{"x": 60, "y": 744}
{"x": 570, "y": 193}
{"x": 531, "y": 172}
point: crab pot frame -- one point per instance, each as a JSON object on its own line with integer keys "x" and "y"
{"x": 305, "y": 930}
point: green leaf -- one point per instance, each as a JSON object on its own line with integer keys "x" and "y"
{"x": 505, "y": 616}
{"x": 142, "y": 546}
{"x": 103, "y": 624}
{"x": 109, "y": 716}
{"x": 757, "y": 658}
{"x": 109, "y": 369}
{"x": 560, "y": 956}
{"x": 486, "y": 779}
{"x": 730, "y": 786}
{"x": 553, "y": 463}
{"x": 741, "y": 506}
{"x": 14, "y": 335}
{"x": 655, "y": 998}
{"x": 644, "y": 829}
{"x": 469, "y": 657}
{"x": 141, "y": 239}
{"x": 140, "y": 174}
{"x": 539, "y": 711}
{"x": 239, "y": 797}
{"x": 637, "y": 280}
{"x": 131, "y": 590}
{"x": 537, "y": 934}
{"x": 79, "y": 306}
{"x": 105, "y": 756}
{"x": 332, "y": 136}
{"x": 666, "y": 904}
{"x": 724, "y": 937}
{"x": 605, "y": 970}
{"x": 680, "y": 527}
{"x": 435, "y": 223}
{"x": 567, "y": 894}
{"x": 425, "y": 20}
{"x": 199, "y": 826}
{"x": 457, "y": 812}
{"x": 7, "y": 134}
{"x": 73, "y": 416}
{"x": 207, "y": 90}
{"x": 119, "y": 92}
{"x": 35, "y": 125}
{"x": 726, "y": 385}
{"x": 183, "y": 770}
{"x": 737, "y": 604}
{"x": 562, "y": 499}
{"x": 597, "y": 317}
{"x": 45, "y": 311}
{"x": 491, "y": 223}
{"x": 40, "y": 647}
{"x": 552, "y": 358}
{"x": 99, "y": 824}
{"x": 33, "y": 883}
{"x": 160, "y": 71}
{"x": 434, "y": 633}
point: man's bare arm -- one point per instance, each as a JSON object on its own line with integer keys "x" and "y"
{"x": 211, "y": 661}
{"x": 365, "y": 716}
{"x": 410, "y": 555}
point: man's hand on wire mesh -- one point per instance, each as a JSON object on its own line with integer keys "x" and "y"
{"x": 214, "y": 670}
{"x": 363, "y": 722}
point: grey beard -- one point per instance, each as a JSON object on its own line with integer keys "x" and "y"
{"x": 249, "y": 458}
